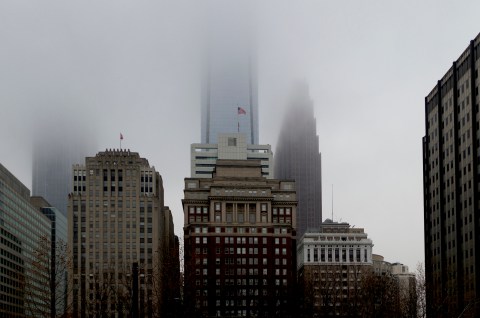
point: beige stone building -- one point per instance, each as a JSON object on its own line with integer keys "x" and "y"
{"x": 117, "y": 217}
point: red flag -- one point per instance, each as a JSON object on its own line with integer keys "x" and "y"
{"x": 121, "y": 136}
{"x": 241, "y": 111}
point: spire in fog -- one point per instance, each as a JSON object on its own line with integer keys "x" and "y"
{"x": 57, "y": 146}
{"x": 230, "y": 77}
{"x": 297, "y": 157}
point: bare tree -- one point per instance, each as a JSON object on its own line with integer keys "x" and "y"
{"x": 331, "y": 290}
{"x": 381, "y": 296}
{"x": 98, "y": 292}
{"x": 421, "y": 291}
{"x": 45, "y": 279}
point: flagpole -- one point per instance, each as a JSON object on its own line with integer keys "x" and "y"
{"x": 238, "y": 120}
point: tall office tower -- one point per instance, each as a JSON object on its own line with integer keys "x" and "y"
{"x": 22, "y": 228}
{"x": 117, "y": 218}
{"x": 229, "y": 88}
{"x": 451, "y": 189}
{"x": 240, "y": 243}
{"x": 57, "y": 146}
{"x": 297, "y": 157}
{"x": 332, "y": 262}
{"x": 230, "y": 146}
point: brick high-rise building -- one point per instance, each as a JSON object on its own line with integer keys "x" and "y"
{"x": 240, "y": 243}
{"x": 451, "y": 189}
{"x": 117, "y": 217}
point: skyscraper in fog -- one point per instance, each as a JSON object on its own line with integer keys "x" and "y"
{"x": 229, "y": 92}
{"x": 297, "y": 157}
{"x": 56, "y": 148}
{"x": 451, "y": 168}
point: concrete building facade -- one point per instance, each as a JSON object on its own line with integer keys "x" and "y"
{"x": 331, "y": 264}
{"x": 240, "y": 240}
{"x": 451, "y": 189}
{"x": 232, "y": 146}
{"x": 117, "y": 218}
{"x": 297, "y": 157}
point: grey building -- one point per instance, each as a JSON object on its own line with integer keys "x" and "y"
{"x": 451, "y": 189}
{"x": 297, "y": 157}
{"x": 22, "y": 228}
{"x": 117, "y": 217}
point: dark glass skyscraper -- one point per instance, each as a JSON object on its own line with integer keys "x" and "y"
{"x": 297, "y": 157}
{"x": 451, "y": 190}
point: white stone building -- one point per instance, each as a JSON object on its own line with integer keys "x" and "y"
{"x": 231, "y": 147}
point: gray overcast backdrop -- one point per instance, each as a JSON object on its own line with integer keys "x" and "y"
{"x": 132, "y": 67}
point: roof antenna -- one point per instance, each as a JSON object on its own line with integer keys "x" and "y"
{"x": 332, "y": 202}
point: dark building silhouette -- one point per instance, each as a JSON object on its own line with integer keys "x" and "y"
{"x": 297, "y": 157}
{"x": 451, "y": 190}
{"x": 240, "y": 243}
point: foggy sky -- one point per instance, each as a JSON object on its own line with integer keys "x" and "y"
{"x": 133, "y": 67}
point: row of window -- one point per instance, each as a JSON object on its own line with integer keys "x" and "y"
{"x": 239, "y": 230}
{"x": 241, "y": 251}
{"x": 242, "y": 282}
{"x": 241, "y": 271}
{"x": 240, "y": 240}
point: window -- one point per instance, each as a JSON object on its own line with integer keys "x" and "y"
{"x": 232, "y": 142}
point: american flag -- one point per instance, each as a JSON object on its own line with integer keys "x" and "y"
{"x": 241, "y": 111}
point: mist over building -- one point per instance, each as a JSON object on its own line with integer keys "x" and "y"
{"x": 298, "y": 158}
{"x": 229, "y": 86}
{"x": 57, "y": 145}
